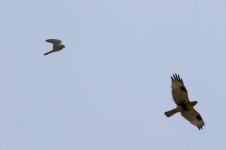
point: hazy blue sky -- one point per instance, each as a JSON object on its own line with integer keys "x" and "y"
{"x": 109, "y": 88}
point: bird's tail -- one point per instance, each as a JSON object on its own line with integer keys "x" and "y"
{"x": 172, "y": 112}
{"x": 48, "y": 52}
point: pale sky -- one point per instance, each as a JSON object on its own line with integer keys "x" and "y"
{"x": 109, "y": 88}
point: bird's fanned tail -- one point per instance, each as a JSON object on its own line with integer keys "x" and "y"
{"x": 172, "y": 112}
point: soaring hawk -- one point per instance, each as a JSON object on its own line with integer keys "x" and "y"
{"x": 184, "y": 106}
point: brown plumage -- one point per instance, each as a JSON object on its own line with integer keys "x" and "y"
{"x": 184, "y": 106}
{"x": 57, "y": 46}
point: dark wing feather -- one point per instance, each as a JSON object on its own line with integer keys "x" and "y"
{"x": 193, "y": 117}
{"x": 55, "y": 42}
{"x": 179, "y": 92}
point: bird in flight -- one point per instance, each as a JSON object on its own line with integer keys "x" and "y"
{"x": 57, "y": 46}
{"x": 184, "y": 105}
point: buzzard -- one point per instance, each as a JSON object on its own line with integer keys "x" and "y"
{"x": 184, "y": 106}
{"x": 57, "y": 46}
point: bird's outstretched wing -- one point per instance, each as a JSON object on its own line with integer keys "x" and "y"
{"x": 179, "y": 92}
{"x": 193, "y": 117}
{"x": 55, "y": 42}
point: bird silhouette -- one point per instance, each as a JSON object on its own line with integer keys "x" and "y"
{"x": 57, "y": 46}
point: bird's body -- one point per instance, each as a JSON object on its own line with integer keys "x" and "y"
{"x": 184, "y": 105}
{"x": 57, "y": 46}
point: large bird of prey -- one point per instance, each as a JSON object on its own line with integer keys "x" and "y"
{"x": 57, "y": 46}
{"x": 184, "y": 106}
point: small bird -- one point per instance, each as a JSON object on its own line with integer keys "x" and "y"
{"x": 184, "y": 105}
{"x": 57, "y": 46}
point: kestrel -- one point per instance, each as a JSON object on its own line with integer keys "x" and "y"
{"x": 57, "y": 46}
{"x": 184, "y": 106}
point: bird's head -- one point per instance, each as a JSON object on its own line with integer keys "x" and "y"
{"x": 193, "y": 103}
{"x": 62, "y": 46}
